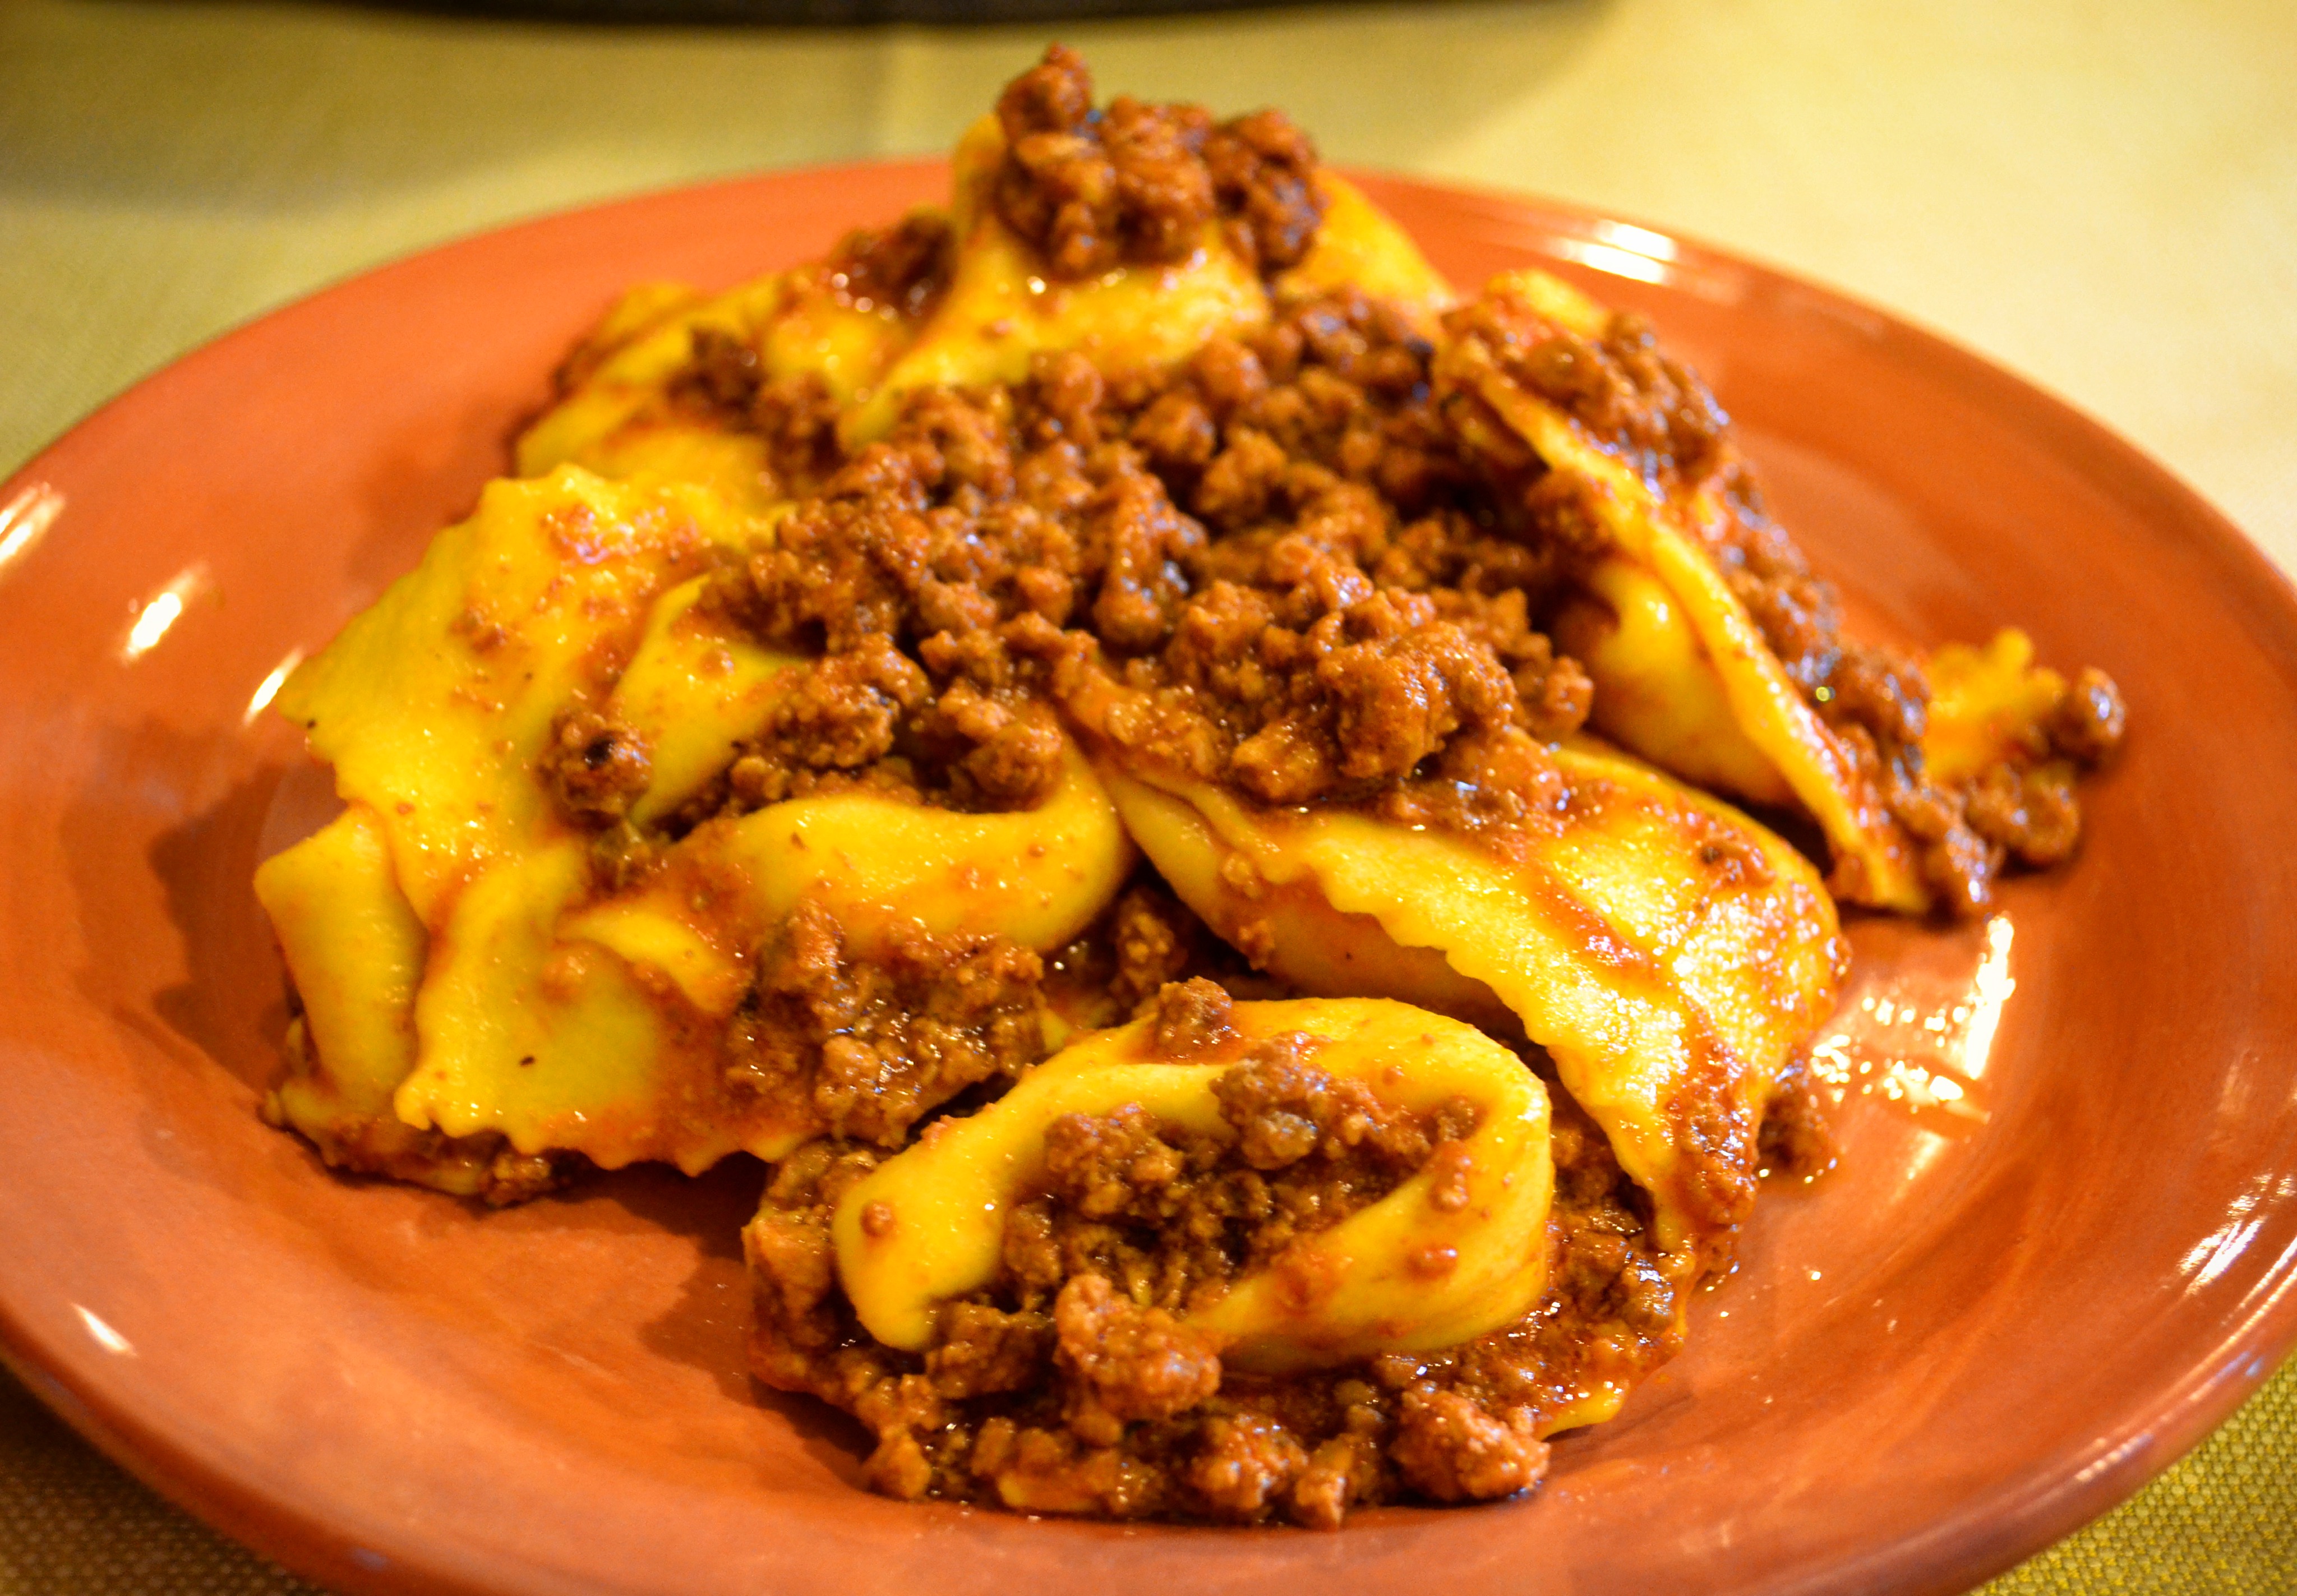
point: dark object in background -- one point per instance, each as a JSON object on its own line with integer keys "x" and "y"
{"x": 817, "y": 13}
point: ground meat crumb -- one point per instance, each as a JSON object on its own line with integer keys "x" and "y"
{"x": 1715, "y": 1142}
{"x": 795, "y": 415}
{"x": 1153, "y": 940}
{"x": 982, "y": 1351}
{"x": 1098, "y": 1166}
{"x": 793, "y": 1265}
{"x": 1448, "y": 1190}
{"x": 1127, "y": 1362}
{"x": 1284, "y": 1109}
{"x": 1135, "y": 182}
{"x": 2029, "y": 813}
{"x": 904, "y": 268}
{"x": 867, "y": 1045}
{"x": 1959, "y": 866}
{"x": 1398, "y": 699}
{"x": 1344, "y": 1470}
{"x": 592, "y": 767}
{"x": 1245, "y": 1466}
{"x": 1796, "y": 1140}
{"x": 1630, "y": 396}
{"x": 842, "y": 713}
{"x": 2090, "y": 718}
{"x": 1450, "y": 1448}
{"x": 1191, "y": 1019}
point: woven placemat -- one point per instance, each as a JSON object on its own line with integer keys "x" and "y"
{"x": 73, "y": 1522}
{"x": 2222, "y": 1522}
{"x": 167, "y": 170}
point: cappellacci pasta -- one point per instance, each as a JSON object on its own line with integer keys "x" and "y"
{"x": 1178, "y": 781}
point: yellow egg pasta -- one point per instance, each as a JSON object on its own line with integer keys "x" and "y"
{"x": 1224, "y": 822}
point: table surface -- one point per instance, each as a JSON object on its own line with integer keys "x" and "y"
{"x": 2103, "y": 199}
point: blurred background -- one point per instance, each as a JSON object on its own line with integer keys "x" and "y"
{"x": 2101, "y": 198}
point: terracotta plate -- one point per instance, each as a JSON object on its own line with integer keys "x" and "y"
{"x": 2061, "y": 1246}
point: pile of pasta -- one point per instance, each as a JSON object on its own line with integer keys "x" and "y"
{"x": 1185, "y": 786}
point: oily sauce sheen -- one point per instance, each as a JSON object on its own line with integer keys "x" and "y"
{"x": 1252, "y": 653}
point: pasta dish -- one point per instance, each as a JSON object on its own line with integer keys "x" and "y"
{"x": 1255, "y": 841}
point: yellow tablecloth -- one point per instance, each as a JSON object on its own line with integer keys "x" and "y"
{"x": 2103, "y": 198}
